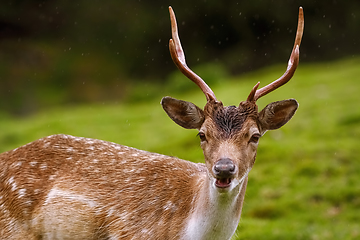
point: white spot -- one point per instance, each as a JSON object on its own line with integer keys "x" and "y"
{"x": 108, "y": 153}
{"x": 100, "y": 148}
{"x": 169, "y": 206}
{"x": 117, "y": 147}
{"x": 12, "y": 183}
{"x": 124, "y": 216}
{"x": 43, "y": 166}
{"x": 110, "y": 212}
{"x": 70, "y": 196}
{"x": 16, "y": 165}
{"x": 22, "y": 192}
{"x": 33, "y": 164}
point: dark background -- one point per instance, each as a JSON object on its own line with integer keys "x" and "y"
{"x": 59, "y": 52}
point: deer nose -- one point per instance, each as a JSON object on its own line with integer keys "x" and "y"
{"x": 224, "y": 168}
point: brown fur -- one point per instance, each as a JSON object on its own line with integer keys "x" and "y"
{"x": 229, "y": 120}
{"x": 117, "y": 191}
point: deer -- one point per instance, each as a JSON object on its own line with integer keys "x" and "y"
{"x": 66, "y": 187}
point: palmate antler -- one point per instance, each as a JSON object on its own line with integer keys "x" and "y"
{"x": 292, "y": 65}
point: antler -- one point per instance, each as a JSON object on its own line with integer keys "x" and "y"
{"x": 178, "y": 56}
{"x": 292, "y": 65}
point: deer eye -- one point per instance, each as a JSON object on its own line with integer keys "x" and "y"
{"x": 255, "y": 138}
{"x": 202, "y": 136}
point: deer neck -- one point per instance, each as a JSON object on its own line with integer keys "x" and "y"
{"x": 216, "y": 213}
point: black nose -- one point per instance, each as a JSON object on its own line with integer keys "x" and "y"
{"x": 224, "y": 168}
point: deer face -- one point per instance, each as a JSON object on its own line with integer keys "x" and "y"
{"x": 229, "y": 136}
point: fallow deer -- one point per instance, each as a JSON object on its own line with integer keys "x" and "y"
{"x": 65, "y": 187}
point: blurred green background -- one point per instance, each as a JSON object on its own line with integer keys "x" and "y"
{"x": 99, "y": 69}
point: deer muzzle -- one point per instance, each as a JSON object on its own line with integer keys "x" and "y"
{"x": 224, "y": 171}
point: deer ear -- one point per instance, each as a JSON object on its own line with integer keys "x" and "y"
{"x": 276, "y": 114}
{"x": 186, "y": 114}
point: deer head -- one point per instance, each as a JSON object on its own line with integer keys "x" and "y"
{"x": 230, "y": 135}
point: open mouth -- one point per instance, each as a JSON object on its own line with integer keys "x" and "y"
{"x": 223, "y": 182}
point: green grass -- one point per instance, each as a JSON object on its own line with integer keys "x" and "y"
{"x": 306, "y": 180}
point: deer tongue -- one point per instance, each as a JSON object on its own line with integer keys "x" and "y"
{"x": 223, "y": 182}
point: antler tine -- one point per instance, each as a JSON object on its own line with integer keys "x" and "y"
{"x": 292, "y": 64}
{"x": 178, "y": 56}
